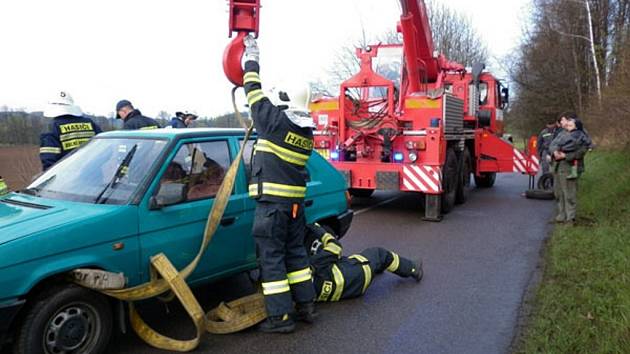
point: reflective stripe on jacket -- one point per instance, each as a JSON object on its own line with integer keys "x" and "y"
{"x": 282, "y": 149}
{"x": 336, "y": 277}
{"x": 65, "y": 134}
{"x": 135, "y": 120}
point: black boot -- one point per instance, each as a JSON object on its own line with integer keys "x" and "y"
{"x": 305, "y": 312}
{"x": 416, "y": 271}
{"x": 278, "y": 324}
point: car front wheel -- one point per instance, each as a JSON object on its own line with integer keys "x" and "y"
{"x": 65, "y": 319}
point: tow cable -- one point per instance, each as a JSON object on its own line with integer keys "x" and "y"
{"x": 228, "y": 317}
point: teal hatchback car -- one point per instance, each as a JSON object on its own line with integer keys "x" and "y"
{"x": 122, "y": 198}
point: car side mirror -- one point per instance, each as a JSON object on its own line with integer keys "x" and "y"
{"x": 168, "y": 194}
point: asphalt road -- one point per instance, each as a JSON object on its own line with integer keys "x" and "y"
{"x": 478, "y": 263}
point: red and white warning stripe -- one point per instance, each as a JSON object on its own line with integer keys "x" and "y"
{"x": 535, "y": 163}
{"x": 525, "y": 165}
{"x": 520, "y": 162}
{"x": 426, "y": 179}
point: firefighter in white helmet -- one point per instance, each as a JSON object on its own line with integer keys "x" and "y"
{"x": 278, "y": 183}
{"x": 183, "y": 119}
{"x": 67, "y": 131}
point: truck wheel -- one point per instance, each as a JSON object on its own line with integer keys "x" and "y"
{"x": 65, "y": 319}
{"x": 463, "y": 187}
{"x": 486, "y": 180}
{"x": 545, "y": 182}
{"x": 450, "y": 178}
{"x": 361, "y": 193}
{"x": 541, "y": 194}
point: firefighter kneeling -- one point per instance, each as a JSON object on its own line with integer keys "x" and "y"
{"x": 337, "y": 277}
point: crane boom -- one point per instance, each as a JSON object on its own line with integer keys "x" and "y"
{"x": 422, "y": 64}
{"x": 418, "y": 44}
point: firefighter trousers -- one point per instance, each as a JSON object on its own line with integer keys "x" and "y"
{"x": 381, "y": 260}
{"x": 351, "y": 276}
{"x": 284, "y": 268}
{"x": 544, "y": 164}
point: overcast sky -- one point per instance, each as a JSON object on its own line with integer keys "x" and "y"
{"x": 166, "y": 55}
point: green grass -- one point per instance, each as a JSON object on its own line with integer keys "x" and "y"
{"x": 583, "y": 302}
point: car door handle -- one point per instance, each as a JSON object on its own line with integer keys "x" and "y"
{"x": 228, "y": 221}
{"x": 308, "y": 203}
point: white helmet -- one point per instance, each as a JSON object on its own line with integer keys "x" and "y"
{"x": 60, "y": 105}
{"x": 297, "y": 98}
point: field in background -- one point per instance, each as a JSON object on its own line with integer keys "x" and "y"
{"x": 18, "y": 165}
{"x": 583, "y": 303}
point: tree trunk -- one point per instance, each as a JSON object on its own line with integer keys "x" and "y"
{"x": 595, "y": 65}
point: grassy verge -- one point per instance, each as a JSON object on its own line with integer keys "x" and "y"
{"x": 583, "y": 303}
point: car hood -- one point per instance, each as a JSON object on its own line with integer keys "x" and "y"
{"x": 22, "y": 215}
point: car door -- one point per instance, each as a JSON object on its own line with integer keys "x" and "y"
{"x": 177, "y": 229}
{"x": 249, "y": 204}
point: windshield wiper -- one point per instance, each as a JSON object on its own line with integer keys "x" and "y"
{"x": 34, "y": 191}
{"x": 121, "y": 172}
{"x": 29, "y": 191}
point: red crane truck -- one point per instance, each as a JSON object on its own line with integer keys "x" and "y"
{"x": 412, "y": 121}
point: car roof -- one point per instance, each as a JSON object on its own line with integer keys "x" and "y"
{"x": 173, "y": 134}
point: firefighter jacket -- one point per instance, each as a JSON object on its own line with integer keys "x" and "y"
{"x": 336, "y": 277}
{"x": 135, "y": 120}
{"x": 544, "y": 140}
{"x": 278, "y": 168}
{"x": 65, "y": 134}
{"x": 4, "y": 189}
{"x": 177, "y": 123}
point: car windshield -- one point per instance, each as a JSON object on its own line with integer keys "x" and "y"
{"x": 103, "y": 171}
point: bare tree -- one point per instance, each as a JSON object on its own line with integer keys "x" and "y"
{"x": 575, "y": 57}
{"x": 453, "y": 35}
{"x": 163, "y": 115}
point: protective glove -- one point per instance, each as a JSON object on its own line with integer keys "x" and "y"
{"x": 251, "y": 48}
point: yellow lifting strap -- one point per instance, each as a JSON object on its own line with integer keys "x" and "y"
{"x": 226, "y": 318}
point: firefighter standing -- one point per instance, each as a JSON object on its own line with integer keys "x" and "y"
{"x": 337, "y": 277}
{"x": 183, "y": 119}
{"x": 278, "y": 183}
{"x": 133, "y": 118}
{"x": 67, "y": 131}
{"x": 544, "y": 139}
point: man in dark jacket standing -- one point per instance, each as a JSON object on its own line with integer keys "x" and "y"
{"x": 278, "y": 183}
{"x": 133, "y": 118}
{"x": 68, "y": 129}
{"x": 544, "y": 139}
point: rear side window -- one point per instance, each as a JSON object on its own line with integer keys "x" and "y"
{"x": 201, "y": 167}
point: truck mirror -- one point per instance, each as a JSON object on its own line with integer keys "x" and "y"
{"x": 505, "y": 95}
{"x": 168, "y": 194}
